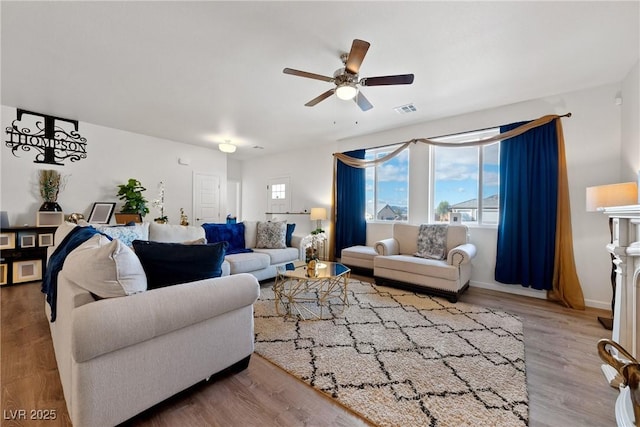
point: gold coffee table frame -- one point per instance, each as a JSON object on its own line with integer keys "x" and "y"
{"x": 294, "y": 289}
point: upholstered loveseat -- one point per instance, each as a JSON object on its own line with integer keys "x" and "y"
{"x": 121, "y": 348}
{"x": 396, "y": 262}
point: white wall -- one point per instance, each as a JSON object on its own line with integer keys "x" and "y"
{"x": 631, "y": 125}
{"x": 310, "y": 171}
{"x": 593, "y": 149}
{"x": 113, "y": 156}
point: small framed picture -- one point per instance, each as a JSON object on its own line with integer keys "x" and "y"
{"x": 45, "y": 240}
{"x": 455, "y": 218}
{"x": 101, "y": 212}
{"x": 4, "y": 269}
{"x": 27, "y": 240}
{"x": 7, "y": 240}
{"x": 27, "y": 271}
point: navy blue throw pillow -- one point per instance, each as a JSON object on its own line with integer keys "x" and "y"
{"x": 290, "y": 228}
{"x": 232, "y": 233}
{"x": 167, "y": 264}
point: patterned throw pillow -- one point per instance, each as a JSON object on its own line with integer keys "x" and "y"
{"x": 271, "y": 235}
{"x": 432, "y": 241}
{"x": 126, "y": 233}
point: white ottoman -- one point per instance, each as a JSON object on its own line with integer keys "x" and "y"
{"x": 358, "y": 256}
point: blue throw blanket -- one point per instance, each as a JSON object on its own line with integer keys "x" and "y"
{"x": 75, "y": 238}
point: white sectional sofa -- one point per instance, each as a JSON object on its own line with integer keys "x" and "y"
{"x": 396, "y": 263}
{"x": 118, "y": 356}
{"x": 260, "y": 262}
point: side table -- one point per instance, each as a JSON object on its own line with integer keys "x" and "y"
{"x": 319, "y": 243}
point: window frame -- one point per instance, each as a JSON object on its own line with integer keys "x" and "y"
{"x": 477, "y": 135}
{"x": 386, "y": 150}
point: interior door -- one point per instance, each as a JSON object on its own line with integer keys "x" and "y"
{"x": 206, "y": 198}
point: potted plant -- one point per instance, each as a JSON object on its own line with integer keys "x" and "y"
{"x": 51, "y": 183}
{"x": 134, "y": 201}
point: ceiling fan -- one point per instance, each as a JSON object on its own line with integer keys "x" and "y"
{"x": 347, "y": 80}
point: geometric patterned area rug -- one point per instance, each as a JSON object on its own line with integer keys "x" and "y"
{"x": 398, "y": 358}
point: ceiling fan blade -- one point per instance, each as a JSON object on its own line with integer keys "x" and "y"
{"x": 306, "y": 74}
{"x": 319, "y": 98}
{"x": 362, "y": 101}
{"x": 401, "y": 79}
{"x": 359, "y": 49}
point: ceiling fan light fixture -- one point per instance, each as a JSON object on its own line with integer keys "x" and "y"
{"x": 346, "y": 91}
{"x": 227, "y": 147}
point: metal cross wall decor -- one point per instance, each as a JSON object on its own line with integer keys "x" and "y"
{"x": 52, "y": 143}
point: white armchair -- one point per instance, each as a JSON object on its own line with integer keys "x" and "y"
{"x": 396, "y": 264}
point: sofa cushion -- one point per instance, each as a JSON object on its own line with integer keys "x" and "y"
{"x": 125, "y": 233}
{"x": 231, "y": 233}
{"x": 271, "y": 235}
{"x": 105, "y": 268}
{"x": 168, "y": 264}
{"x": 170, "y": 233}
{"x": 359, "y": 252}
{"x": 247, "y": 262}
{"x": 415, "y": 265}
{"x": 280, "y": 256}
{"x": 407, "y": 237}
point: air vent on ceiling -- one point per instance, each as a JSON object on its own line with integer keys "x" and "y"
{"x": 405, "y": 109}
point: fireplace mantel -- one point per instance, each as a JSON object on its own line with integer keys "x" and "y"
{"x": 625, "y": 248}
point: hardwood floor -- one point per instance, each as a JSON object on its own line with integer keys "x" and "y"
{"x": 566, "y": 387}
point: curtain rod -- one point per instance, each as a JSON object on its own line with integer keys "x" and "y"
{"x": 447, "y": 135}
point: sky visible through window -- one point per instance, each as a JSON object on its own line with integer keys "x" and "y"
{"x": 456, "y": 174}
{"x": 391, "y": 182}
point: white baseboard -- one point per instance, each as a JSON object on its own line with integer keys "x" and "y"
{"x": 510, "y": 289}
{"x": 519, "y": 290}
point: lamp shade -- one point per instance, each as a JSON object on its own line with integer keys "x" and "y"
{"x": 604, "y": 196}
{"x": 318, "y": 214}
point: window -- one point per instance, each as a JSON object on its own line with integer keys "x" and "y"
{"x": 387, "y": 186}
{"x": 278, "y": 191}
{"x": 466, "y": 179}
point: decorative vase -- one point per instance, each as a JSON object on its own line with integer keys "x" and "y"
{"x": 50, "y": 207}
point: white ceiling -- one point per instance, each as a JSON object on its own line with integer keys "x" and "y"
{"x": 204, "y": 72}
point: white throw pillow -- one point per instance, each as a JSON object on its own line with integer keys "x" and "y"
{"x": 106, "y": 268}
{"x": 173, "y": 233}
{"x": 62, "y": 231}
{"x": 250, "y": 233}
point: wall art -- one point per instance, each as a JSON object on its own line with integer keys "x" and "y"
{"x": 52, "y": 143}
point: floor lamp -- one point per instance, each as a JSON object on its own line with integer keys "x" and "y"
{"x": 604, "y": 196}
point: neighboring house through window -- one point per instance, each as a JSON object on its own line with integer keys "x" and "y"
{"x": 466, "y": 179}
{"x": 387, "y": 186}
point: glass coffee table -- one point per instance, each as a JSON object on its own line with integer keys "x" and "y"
{"x": 306, "y": 295}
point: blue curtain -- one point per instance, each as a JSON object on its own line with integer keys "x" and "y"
{"x": 528, "y": 205}
{"x": 351, "y": 227}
